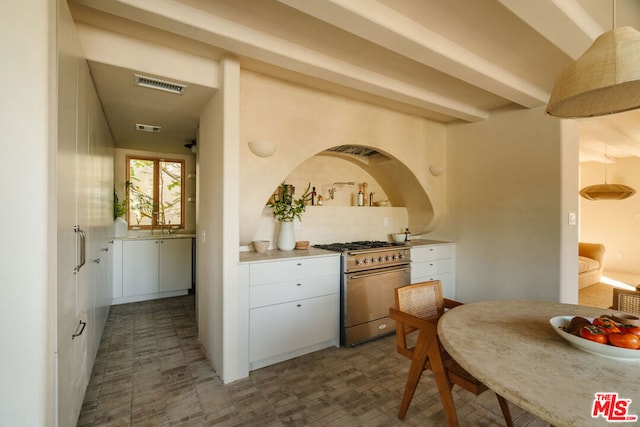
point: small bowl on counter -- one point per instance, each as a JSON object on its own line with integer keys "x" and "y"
{"x": 399, "y": 237}
{"x": 302, "y": 244}
{"x": 260, "y": 246}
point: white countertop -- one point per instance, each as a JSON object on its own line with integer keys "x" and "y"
{"x": 156, "y": 235}
{"x": 275, "y": 254}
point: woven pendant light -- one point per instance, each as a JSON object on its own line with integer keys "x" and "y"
{"x": 607, "y": 191}
{"x": 604, "y": 80}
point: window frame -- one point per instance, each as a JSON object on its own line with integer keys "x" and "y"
{"x": 156, "y": 190}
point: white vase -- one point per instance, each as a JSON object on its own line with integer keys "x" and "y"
{"x": 120, "y": 227}
{"x": 286, "y": 236}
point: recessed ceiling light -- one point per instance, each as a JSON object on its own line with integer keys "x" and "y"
{"x": 148, "y": 128}
{"x": 163, "y": 85}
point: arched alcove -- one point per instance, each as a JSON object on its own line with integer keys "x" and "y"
{"x": 340, "y": 218}
{"x": 303, "y": 123}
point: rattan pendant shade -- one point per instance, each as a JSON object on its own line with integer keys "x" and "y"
{"x": 607, "y": 192}
{"x": 604, "y": 80}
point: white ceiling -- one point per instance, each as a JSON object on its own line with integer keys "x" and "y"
{"x": 446, "y": 60}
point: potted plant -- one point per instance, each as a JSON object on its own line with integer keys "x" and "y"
{"x": 119, "y": 213}
{"x": 285, "y": 209}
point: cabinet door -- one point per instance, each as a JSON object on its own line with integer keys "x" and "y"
{"x": 282, "y": 328}
{"x": 175, "y": 264}
{"x": 117, "y": 269}
{"x": 139, "y": 267}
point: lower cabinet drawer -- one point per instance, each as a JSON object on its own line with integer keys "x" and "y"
{"x": 292, "y": 290}
{"x": 296, "y": 269}
{"x": 428, "y": 268}
{"x": 283, "y": 328}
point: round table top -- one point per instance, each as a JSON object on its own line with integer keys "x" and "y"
{"x": 511, "y": 347}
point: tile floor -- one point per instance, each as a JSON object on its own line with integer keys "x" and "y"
{"x": 151, "y": 371}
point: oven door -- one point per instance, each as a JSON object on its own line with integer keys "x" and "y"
{"x": 368, "y": 296}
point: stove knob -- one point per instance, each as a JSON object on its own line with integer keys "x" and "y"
{"x": 395, "y": 257}
{"x": 358, "y": 262}
{"x": 401, "y": 256}
{"x": 381, "y": 259}
{"x": 388, "y": 258}
{"x": 374, "y": 259}
{"x": 366, "y": 261}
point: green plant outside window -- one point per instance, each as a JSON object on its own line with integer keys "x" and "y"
{"x": 155, "y": 193}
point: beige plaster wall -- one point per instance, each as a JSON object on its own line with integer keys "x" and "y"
{"x": 614, "y": 223}
{"x": 303, "y": 122}
{"x": 509, "y": 208}
{"x": 28, "y": 273}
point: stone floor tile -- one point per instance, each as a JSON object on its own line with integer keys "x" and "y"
{"x": 151, "y": 371}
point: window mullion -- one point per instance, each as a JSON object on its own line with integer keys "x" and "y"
{"x": 156, "y": 191}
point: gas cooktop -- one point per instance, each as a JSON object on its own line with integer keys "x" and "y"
{"x": 357, "y": 246}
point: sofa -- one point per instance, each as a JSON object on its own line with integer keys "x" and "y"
{"x": 590, "y": 258}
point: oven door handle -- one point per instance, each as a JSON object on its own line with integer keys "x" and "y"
{"x": 378, "y": 272}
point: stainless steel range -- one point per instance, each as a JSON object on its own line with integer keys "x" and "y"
{"x": 371, "y": 271}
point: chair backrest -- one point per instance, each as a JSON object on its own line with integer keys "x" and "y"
{"x": 627, "y": 301}
{"x": 423, "y": 300}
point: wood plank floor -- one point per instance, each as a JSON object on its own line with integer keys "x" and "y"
{"x": 151, "y": 371}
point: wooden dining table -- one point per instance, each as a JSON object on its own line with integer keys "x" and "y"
{"x": 512, "y": 348}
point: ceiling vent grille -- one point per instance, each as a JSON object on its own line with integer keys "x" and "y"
{"x": 148, "y": 128}
{"x": 159, "y": 84}
{"x": 356, "y": 150}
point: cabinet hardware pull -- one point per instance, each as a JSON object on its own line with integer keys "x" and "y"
{"x": 299, "y": 305}
{"x": 110, "y": 241}
{"x": 82, "y": 325}
{"x": 299, "y": 263}
{"x": 83, "y": 246}
{"x": 298, "y": 284}
{"x": 105, "y": 249}
{"x": 390, "y": 270}
{"x": 97, "y": 260}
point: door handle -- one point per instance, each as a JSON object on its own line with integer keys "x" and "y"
{"x": 81, "y": 326}
{"x": 83, "y": 247}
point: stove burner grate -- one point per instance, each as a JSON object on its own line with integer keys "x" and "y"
{"x": 358, "y": 245}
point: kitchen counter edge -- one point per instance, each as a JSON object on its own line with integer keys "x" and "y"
{"x": 425, "y": 242}
{"x": 156, "y": 236}
{"x": 275, "y": 254}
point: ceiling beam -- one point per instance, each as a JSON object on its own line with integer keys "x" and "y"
{"x": 384, "y": 26}
{"x": 565, "y": 23}
{"x": 122, "y": 51}
{"x": 196, "y": 24}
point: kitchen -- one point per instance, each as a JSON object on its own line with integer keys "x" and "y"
{"x": 503, "y": 196}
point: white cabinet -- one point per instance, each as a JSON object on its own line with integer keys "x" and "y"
{"x": 174, "y": 269}
{"x": 435, "y": 261}
{"x": 293, "y": 308}
{"x": 84, "y": 216}
{"x": 151, "y": 268}
{"x": 139, "y": 267}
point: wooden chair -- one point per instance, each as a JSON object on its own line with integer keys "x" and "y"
{"x": 627, "y": 301}
{"x": 418, "y": 308}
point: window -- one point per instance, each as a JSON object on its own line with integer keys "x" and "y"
{"x": 155, "y": 192}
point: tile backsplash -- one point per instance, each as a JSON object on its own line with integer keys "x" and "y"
{"x": 329, "y": 224}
